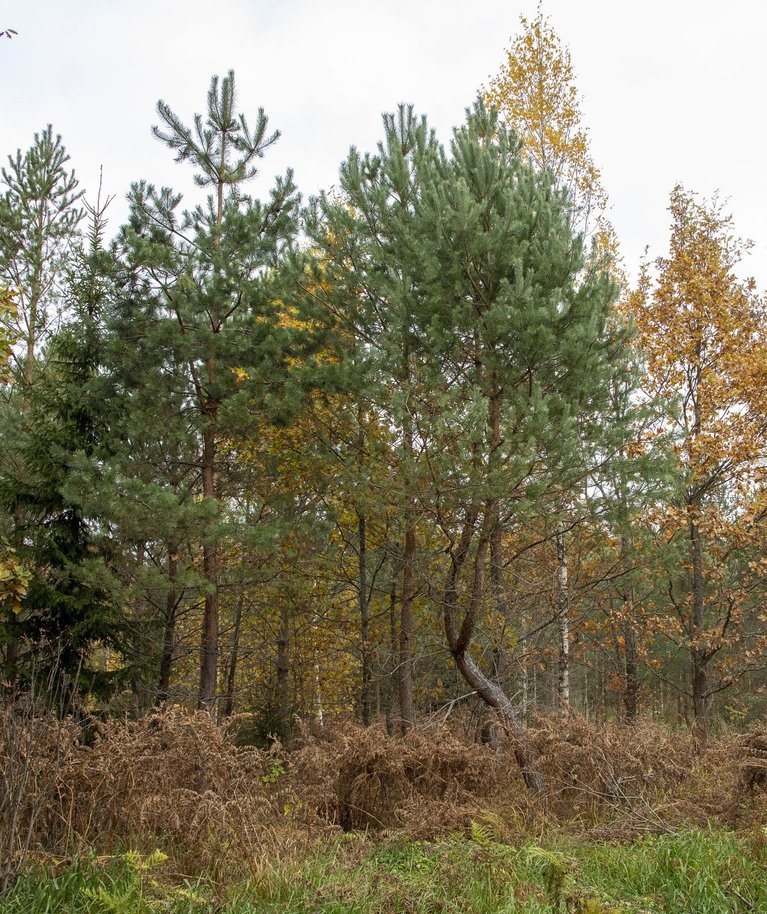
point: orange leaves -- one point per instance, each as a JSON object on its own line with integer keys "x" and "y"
{"x": 703, "y": 334}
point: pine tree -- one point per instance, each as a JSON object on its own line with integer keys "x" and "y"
{"x": 365, "y": 240}
{"x": 470, "y": 257}
{"x": 527, "y": 338}
{"x": 39, "y": 214}
{"x": 212, "y": 268}
{"x": 142, "y": 491}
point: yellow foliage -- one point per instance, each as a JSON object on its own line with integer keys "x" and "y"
{"x": 14, "y": 579}
{"x": 8, "y": 313}
{"x": 240, "y": 375}
{"x": 703, "y": 334}
{"x": 536, "y": 96}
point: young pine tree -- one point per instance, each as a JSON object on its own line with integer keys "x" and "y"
{"x": 474, "y": 269}
{"x": 214, "y": 312}
{"x": 39, "y": 214}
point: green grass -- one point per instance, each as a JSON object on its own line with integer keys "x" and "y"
{"x": 695, "y": 872}
{"x": 705, "y": 872}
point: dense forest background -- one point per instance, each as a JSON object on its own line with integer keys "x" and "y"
{"x": 410, "y": 449}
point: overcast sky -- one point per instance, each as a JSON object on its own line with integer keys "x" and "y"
{"x": 673, "y": 90}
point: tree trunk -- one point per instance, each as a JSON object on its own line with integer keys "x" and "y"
{"x": 364, "y": 609}
{"x": 698, "y": 654}
{"x": 209, "y": 409}
{"x": 234, "y": 655}
{"x": 319, "y": 702}
{"x": 209, "y": 641}
{"x": 631, "y": 673}
{"x": 630, "y": 644}
{"x": 459, "y": 639}
{"x": 30, "y": 358}
{"x": 525, "y": 676}
{"x": 494, "y": 696}
{"x": 392, "y": 691}
{"x": 406, "y": 707}
{"x": 563, "y": 623}
{"x": 169, "y": 627}
{"x": 283, "y": 672}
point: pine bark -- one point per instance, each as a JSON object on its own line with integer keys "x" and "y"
{"x": 169, "y": 626}
{"x": 234, "y": 657}
{"x": 392, "y": 691}
{"x": 364, "y": 611}
{"x": 563, "y": 623}
{"x": 209, "y": 640}
{"x": 406, "y": 705}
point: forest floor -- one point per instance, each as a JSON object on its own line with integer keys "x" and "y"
{"x": 704, "y": 871}
{"x": 174, "y": 813}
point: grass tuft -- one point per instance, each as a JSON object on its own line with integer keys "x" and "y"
{"x": 707, "y": 871}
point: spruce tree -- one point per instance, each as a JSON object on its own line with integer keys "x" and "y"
{"x": 39, "y": 215}
{"x": 67, "y": 608}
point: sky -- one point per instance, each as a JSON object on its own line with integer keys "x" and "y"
{"x": 672, "y": 90}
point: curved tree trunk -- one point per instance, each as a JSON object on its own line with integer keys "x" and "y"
{"x": 459, "y": 638}
{"x": 494, "y": 696}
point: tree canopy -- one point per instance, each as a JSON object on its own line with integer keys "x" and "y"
{"x": 410, "y": 446}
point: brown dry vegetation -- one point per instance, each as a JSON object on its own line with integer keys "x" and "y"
{"x": 177, "y": 780}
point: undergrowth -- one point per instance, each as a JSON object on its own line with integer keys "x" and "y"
{"x": 350, "y": 819}
{"x": 711, "y": 871}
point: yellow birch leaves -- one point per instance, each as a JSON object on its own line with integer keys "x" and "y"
{"x": 536, "y": 96}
